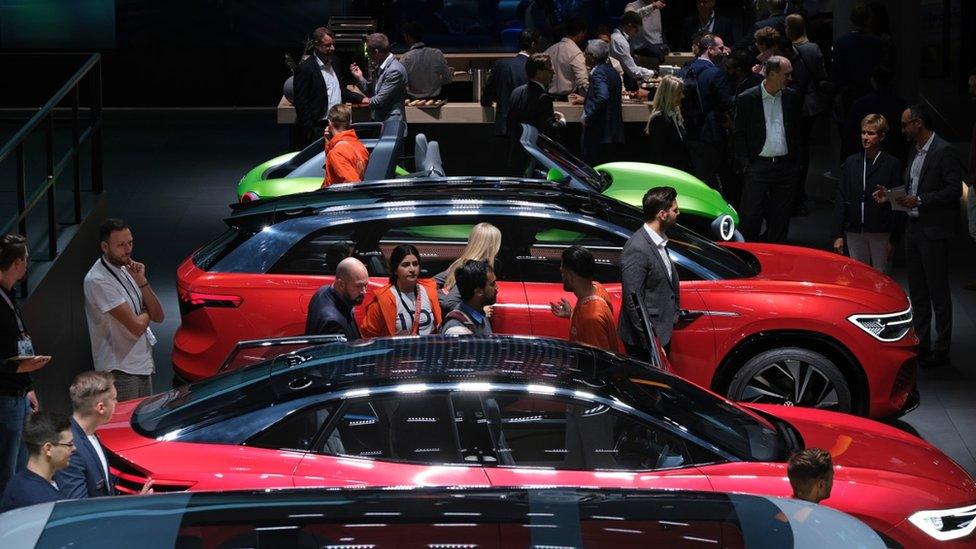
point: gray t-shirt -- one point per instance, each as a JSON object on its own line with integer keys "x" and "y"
{"x": 452, "y": 298}
{"x": 406, "y": 304}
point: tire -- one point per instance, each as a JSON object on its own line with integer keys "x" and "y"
{"x": 771, "y": 378}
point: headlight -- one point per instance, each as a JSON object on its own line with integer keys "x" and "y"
{"x": 885, "y": 327}
{"x": 946, "y": 524}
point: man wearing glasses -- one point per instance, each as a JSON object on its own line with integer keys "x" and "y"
{"x": 49, "y": 445}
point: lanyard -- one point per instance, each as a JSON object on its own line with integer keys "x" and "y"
{"x": 125, "y": 287}
{"x": 415, "y": 313}
{"x": 864, "y": 183}
{"x": 20, "y": 323}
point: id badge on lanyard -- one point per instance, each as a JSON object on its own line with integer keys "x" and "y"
{"x": 24, "y": 345}
{"x": 136, "y": 307}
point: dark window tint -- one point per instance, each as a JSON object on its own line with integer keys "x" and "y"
{"x": 540, "y": 244}
{"x": 318, "y": 253}
{"x": 713, "y": 260}
{"x": 439, "y": 244}
{"x": 548, "y": 432}
{"x": 414, "y": 428}
{"x": 295, "y": 432}
{"x": 215, "y": 250}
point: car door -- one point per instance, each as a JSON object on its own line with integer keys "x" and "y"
{"x": 402, "y": 439}
{"x": 561, "y": 441}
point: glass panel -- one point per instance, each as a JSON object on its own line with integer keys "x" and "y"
{"x": 710, "y": 256}
{"x": 218, "y": 248}
{"x": 295, "y": 432}
{"x": 318, "y": 253}
{"x": 543, "y": 242}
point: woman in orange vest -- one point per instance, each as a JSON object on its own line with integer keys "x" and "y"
{"x": 405, "y": 306}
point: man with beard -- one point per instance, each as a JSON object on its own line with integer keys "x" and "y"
{"x": 591, "y": 320}
{"x": 319, "y": 86}
{"x": 119, "y": 305}
{"x": 330, "y": 311}
{"x": 479, "y": 289}
{"x": 707, "y": 117}
{"x": 647, "y": 270}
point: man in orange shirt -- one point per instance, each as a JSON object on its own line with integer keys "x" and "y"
{"x": 591, "y": 320}
{"x": 345, "y": 155}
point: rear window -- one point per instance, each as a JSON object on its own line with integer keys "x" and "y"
{"x": 218, "y": 248}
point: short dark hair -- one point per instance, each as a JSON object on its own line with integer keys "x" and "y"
{"x": 528, "y": 38}
{"x": 630, "y": 18}
{"x": 413, "y": 30}
{"x": 706, "y": 41}
{"x": 378, "y": 41}
{"x": 109, "y": 226}
{"x": 470, "y": 276}
{"x": 320, "y": 33}
{"x": 535, "y": 63}
{"x": 776, "y": 6}
{"x": 12, "y": 248}
{"x": 573, "y": 26}
{"x": 579, "y": 260}
{"x": 43, "y": 427}
{"x": 807, "y": 467}
{"x": 397, "y": 255}
{"x": 657, "y": 199}
{"x": 922, "y": 112}
{"x": 860, "y": 15}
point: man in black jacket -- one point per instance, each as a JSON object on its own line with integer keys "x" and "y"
{"x": 706, "y": 123}
{"x": 766, "y": 146}
{"x": 330, "y": 311}
{"x": 319, "y": 85}
{"x": 603, "y": 122}
{"x": 507, "y": 75}
{"x": 531, "y": 104}
{"x": 933, "y": 184}
{"x": 706, "y": 22}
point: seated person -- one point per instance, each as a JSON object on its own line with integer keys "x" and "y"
{"x": 345, "y": 155}
{"x": 49, "y": 446}
{"x": 477, "y": 285}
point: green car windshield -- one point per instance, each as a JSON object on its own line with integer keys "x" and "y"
{"x": 571, "y": 166}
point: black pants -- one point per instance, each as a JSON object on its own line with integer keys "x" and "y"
{"x": 928, "y": 286}
{"x": 706, "y": 161}
{"x": 768, "y": 193}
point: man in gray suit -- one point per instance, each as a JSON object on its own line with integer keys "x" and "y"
{"x": 933, "y": 184}
{"x": 387, "y": 89}
{"x": 647, "y": 270}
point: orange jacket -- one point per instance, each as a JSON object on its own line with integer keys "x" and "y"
{"x": 345, "y": 159}
{"x": 379, "y": 319}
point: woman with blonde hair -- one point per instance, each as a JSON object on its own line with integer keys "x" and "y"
{"x": 666, "y": 126}
{"x": 483, "y": 244}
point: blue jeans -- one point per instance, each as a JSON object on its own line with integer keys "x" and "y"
{"x": 13, "y": 453}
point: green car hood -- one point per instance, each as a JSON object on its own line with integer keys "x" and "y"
{"x": 256, "y": 175}
{"x": 632, "y": 179}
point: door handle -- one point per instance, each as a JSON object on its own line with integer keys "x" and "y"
{"x": 300, "y": 383}
{"x": 687, "y": 315}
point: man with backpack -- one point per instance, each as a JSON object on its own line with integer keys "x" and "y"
{"x": 705, "y": 108}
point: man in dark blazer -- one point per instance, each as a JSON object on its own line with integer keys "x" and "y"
{"x": 776, "y": 17}
{"x": 387, "y": 89}
{"x": 767, "y": 145}
{"x": 330, "y": 311}
{"x": 647, "y": 270}
{"x": 319, "y": 84}
{"x": 49, "y": 447}
{"x": 706, "y": 135}
{"x": 531, "y": 104}
{"x": 706, "y": 22}
{"x": 93, "y": 399}
{"x": 507, "y": 75}
{"x": 933, "y": 184}
{"x": 603, "y": 121}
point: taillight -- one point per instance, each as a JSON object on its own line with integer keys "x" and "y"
{"x": 190, "y": 300}
{"x": 249, "y": 196}
{"x": 130, "y": 479}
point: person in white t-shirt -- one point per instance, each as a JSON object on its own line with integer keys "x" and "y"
{"x": 119, "y": 305}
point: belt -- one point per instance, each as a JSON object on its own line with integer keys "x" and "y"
{"x": 772, "y": 159}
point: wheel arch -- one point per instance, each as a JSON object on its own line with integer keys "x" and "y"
{"x": 831, "y": 348}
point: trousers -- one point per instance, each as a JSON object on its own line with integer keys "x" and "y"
{"x": 130, "y": 386}
{"x": 870, "y": 248}
{"x": 928, "y": 287}
{"x": 768, "y": 194}
{"x": 13, "y": 452}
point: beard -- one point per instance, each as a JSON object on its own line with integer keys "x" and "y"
{"x": 116, "y": 260}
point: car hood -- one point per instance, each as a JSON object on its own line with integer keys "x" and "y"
{"x": 857, "y": 442}
{"x": 630, "y": 180}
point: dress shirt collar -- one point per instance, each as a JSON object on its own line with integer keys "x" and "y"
{"x": 659, "y": 241}
{"x": 766, "y": 94}
{"x": 522, "y": 53}
{"x": 925, "y": 148}
{"x": 389, "y": 58}
{"x": 478, "y": 317}
{"x": 322, "y": 64}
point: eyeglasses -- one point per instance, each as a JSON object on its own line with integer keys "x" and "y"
{"x": 69, "y": 444}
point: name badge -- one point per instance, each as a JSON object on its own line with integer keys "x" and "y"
{"x": 24, "y": 346}
{"x": 151, "y": 337}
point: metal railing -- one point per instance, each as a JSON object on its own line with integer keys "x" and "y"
{"x": 43, "y": 120}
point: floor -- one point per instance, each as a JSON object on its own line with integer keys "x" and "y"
{"x": 173, "y": 175}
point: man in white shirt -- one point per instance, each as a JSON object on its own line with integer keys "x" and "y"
{"x": 650, "y": 39}
{"x": 318, "y": 87}
{"x": 119, "y": 305}
{"x": 568, "y": 63}
{"x": 620, "y": 47}
{"x": 427, "y": 69}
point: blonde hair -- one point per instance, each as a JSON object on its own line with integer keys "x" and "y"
{"x": 879, "y": 122}
{"x": 483, "y": 244}
{"x": 667, "y": 101}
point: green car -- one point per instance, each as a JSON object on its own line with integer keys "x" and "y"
{"x": 702, "y": 208}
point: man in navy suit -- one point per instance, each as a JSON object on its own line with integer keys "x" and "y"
{"x": 776, "y": 17}
{"x": 330, "y": 311}
{"x": 507, "y": 75}
{"x": 706, "y": 135}
{"x": 93, "y": 398}
{"x": 603, "y": 122}
{"x": 49, "y": 446}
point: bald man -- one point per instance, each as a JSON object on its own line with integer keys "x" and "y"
{"x": 330, "y": 311}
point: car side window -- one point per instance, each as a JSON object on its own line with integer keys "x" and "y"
{"x": 543, "y": 242}
{"x": 318, "y": 253}
{"x": 412, "y": 428}
{"x": 295, "y": 432}
{"x": 571, "y": 434}
{"x": 439, "y": 244}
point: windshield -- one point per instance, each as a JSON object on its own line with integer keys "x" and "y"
{"x": 717, "y": 260}
{"x": 732, "y": 428}
{"x": 570, "y": 165}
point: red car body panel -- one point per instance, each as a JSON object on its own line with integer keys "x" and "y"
{"x": 798, "y": 291}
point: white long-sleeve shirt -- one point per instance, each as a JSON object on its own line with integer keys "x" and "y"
{"x": 620, "y": 50}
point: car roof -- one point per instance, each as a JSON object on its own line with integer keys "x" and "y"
{"x": 539, "y": 192}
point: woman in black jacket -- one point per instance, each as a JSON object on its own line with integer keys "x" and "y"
{"x": 666, "y": 127}
{"x": 860, "y": 222}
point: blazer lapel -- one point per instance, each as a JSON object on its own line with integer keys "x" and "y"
{"x": 665, "y": 268}
{"x": 933, "y": 146}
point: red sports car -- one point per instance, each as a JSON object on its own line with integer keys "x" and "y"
{"x": 761, "y": 323}
{"x": 515, "y": 411}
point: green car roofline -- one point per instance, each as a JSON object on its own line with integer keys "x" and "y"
{"x": 256, "y": 175}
